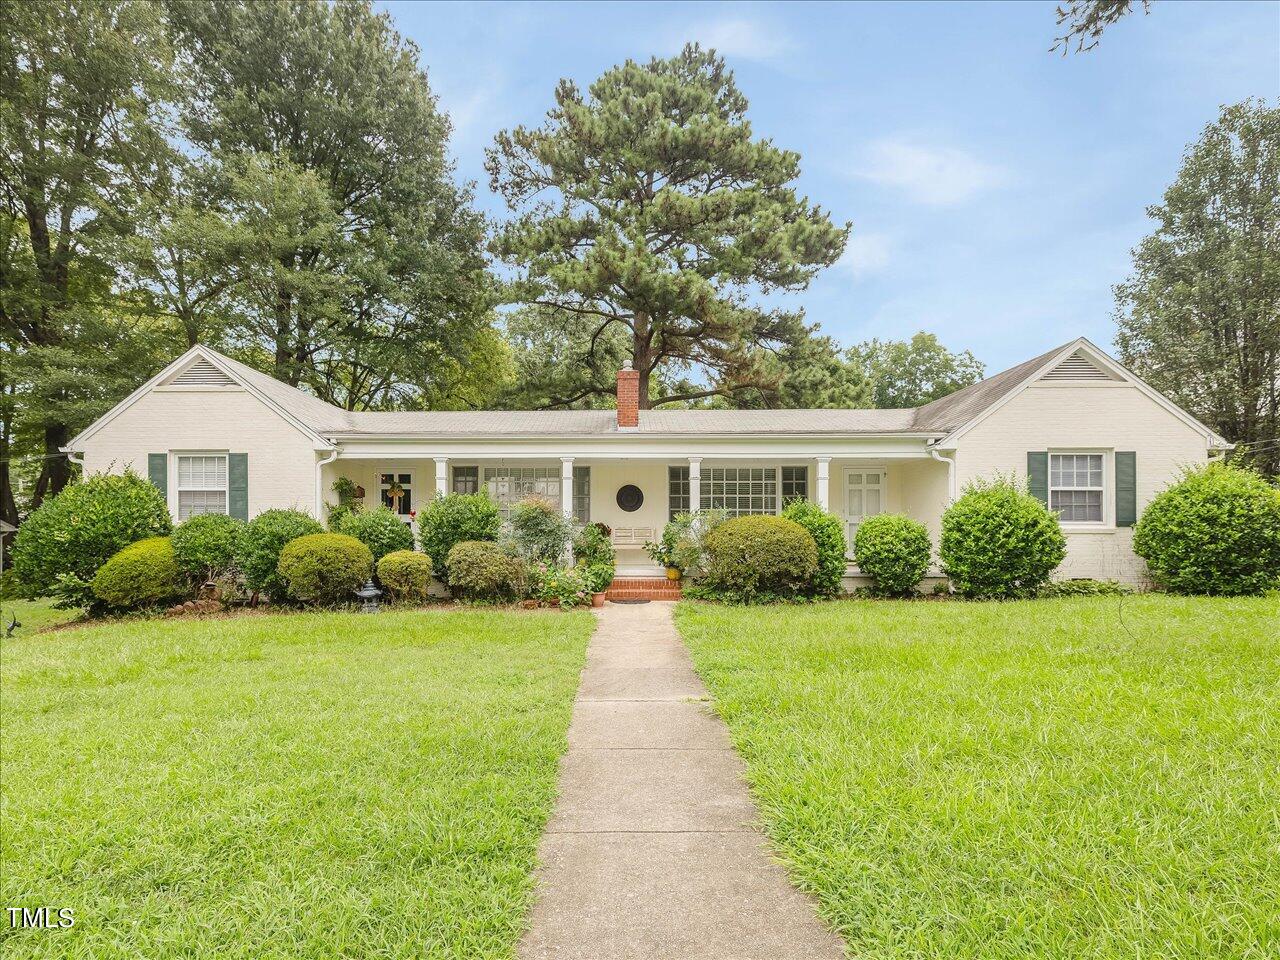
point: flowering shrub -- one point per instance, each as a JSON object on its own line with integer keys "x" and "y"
{"x": 566, "y": 587}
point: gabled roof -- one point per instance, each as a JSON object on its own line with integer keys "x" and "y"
{"x": 958, "y": 412}
{"x": 298, "y": 408}
{"x": 942, "y": 420}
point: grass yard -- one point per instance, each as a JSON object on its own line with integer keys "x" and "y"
{"x": 314, "y": 785}
{"x": 980, "y": 780}
{"x": 33, "y": 615}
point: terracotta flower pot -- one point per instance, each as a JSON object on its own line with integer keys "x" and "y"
{"x": 597, "y": 599}
{"x": 529, "y": 604}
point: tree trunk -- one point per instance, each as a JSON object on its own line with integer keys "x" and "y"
{"x": 641, "y": 358}
{"x": 55, "y": 473}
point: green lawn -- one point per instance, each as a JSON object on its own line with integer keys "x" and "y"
{"x": 315, "y": 785}
{"x": 33, "y": 615}
{"x": 1062, "y": 778}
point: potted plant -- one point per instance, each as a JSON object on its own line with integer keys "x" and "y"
{"x": 666, "y": 552}
{"x": 598, "y": 576}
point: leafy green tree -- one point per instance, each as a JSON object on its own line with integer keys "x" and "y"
{"x": 1087, "y": 20}
{"x": 1199, "y": 317}
{"x": 82, "y": 92}
{"x": 915, "y": 372}
{"x": 647, "y": 205}
{"x": 378, "y": 294}
{"x": 811, "y": 373}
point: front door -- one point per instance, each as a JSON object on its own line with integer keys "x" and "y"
{"x": 863, "y": 497}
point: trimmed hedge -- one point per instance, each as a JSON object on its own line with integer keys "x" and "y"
{"x": 999, "y": 542}
{"x": 1215, "y": 531}
{"x": 827, "y": 531}
{"x": 380, "y": 530}
{"x": 143, "y": 574}
{"x": 893, "y": 551}
{"x": 60, "y": 547}
{"x": 325, "y": 568}
{"x": 406, "y": 575}
{"x": 452, "y": 519}
{"x": 261, "y": 542}
{"x": 206, "y": 545}
{"x": 479, "y": 570}
{"x": 759, "y": 559}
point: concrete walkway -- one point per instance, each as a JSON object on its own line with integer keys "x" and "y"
{"x": 652, "y": 850}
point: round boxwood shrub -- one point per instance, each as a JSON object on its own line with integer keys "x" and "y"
{"x": 380, "y": 530}
{"x": 453, "y": 519}
{"x": 206, "y": 545}
{"x": 479, "y": 570}
{"x": 325, "y": 568}
{"x": 261, "y": 542}
{"x": 999, "y": 542}
{"x": 143, "y": 574}
{"x": 405, "y": 574}
{"x": 759, "y": 558}
{"x": 893, "y": 551}
{"x": 1215, "y": 531}
{"x": 61, "y": 545}
{"x": 827, "y": 531}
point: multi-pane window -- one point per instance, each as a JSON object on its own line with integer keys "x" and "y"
{"x": 509, "y": 485}
{"x": 1076, "y": 487}
{"x": 677, "y": 491}
{"x": 740, "y": 491}
{"x": 395, "y": 491}
{"x": 466, "y": 479}
{"x": 582, "y": 494}
{"x": 202, "y": 484}
{"x": 795, "y": 484}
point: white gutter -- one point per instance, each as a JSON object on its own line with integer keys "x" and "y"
{"x": 951, "y": 471}
{"x": 320, "y": 465}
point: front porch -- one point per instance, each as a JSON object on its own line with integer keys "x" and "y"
{"x": 635, "y": 496}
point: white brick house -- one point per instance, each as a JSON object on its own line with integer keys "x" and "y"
{"x": 1096, "y": 443}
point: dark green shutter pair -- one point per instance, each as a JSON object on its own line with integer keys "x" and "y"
{"x": 237, "y": 480}
{"x": 1126, "y": 485}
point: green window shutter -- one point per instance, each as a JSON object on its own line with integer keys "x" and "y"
{"x": 1038, "y": 475}
{"x": 238, "y": 485}
{"x": 1126, "y": 488}
{"x": 158, "y": 471}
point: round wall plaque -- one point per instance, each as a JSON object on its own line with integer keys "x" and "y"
{"x": 630, "y": 498}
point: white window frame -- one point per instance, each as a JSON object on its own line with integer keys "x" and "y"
{"x": 1107, "y": 521}
{"x": 548, "y": 486}
{"x": 708, "y": 466}
{"x": 414, "y": 503}
{"x": 175, "y": 471}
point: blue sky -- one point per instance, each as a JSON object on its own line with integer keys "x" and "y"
{"x": 995, "y": 189}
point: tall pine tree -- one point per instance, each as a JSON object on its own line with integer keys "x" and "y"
{"x": 649, "y": 205}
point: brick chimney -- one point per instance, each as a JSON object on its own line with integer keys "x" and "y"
{"x": 628, "y": 397}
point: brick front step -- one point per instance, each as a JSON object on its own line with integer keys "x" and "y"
{"x": 643, "y": 588}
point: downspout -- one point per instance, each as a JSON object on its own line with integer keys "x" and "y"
{"x": 320, "y": 465}
{"x": 951, "y": 471}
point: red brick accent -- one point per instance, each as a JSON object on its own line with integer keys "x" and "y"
{"x": 628, "y": 397}
{"x": 643, "y": 588}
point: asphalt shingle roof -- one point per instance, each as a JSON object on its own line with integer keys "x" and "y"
{"x": 939, "y": 417}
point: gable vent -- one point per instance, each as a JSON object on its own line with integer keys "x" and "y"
{"x": 1077, "y": 367}
{"x": 202, "y": 373}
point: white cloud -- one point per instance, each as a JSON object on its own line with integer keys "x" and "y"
{"x": 932, "y": 175}
{"x": 865, "y": 254}
{"x": 736, "y": 37}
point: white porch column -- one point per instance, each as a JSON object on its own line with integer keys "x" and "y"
{"x": 566, "y": 487}
{"x": 824, "y": 483}
{"x": 695, "y": 484}
{"x": 442, "y": 476}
